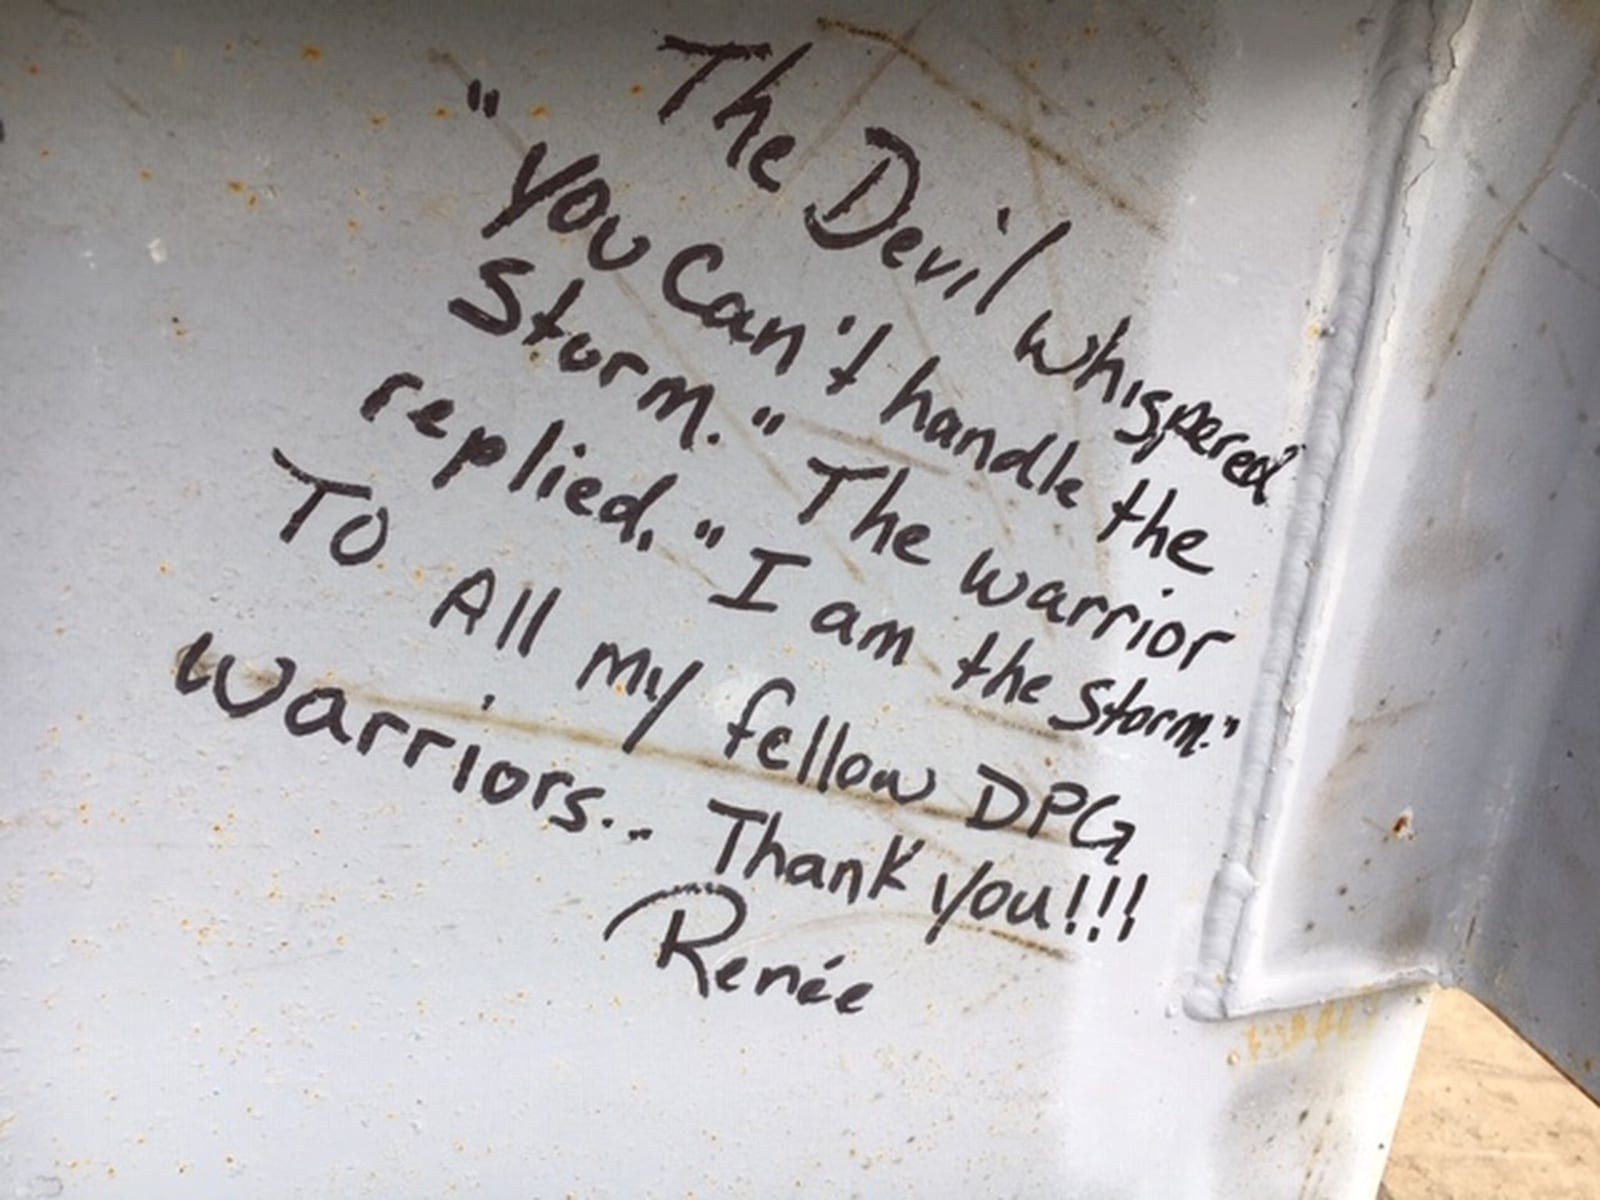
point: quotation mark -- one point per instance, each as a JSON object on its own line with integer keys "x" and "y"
{"x": 708, "y": 533}
{"x": 489, "y": 101}
{"x": 767, "y": 421}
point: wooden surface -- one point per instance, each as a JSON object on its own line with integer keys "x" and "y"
{"x": 1488, "y": 1119}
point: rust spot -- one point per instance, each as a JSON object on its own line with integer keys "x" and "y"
{"x": 1275, "y": 1039}
{"x": 1402, "y": 825}
{"x": 538, "y": 110}
{"x": 311, "y": 53}
{"x": 377, "y": 120}
{"x": 44, "y": 152}
{"x": 442, "y": 113}
{"x": 636, "y": 89}
{"x": 252, "y": 200}
{"x": 33, "y": 68}
{"x": 146, "y": 175}
{"x": 236, "y": 187}
{"x": 353, "y": 225}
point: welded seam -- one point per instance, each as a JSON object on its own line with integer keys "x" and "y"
{"x": 1405, "y": 77}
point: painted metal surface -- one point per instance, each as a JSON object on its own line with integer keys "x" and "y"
{"x": 1423, "y": 786}
{"x": 712, "y": 600}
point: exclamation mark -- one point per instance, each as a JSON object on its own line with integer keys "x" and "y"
{"x": 1072, "y": 905}
{"x": 1105, "y": 906}
{"x": 1127, "y": 909}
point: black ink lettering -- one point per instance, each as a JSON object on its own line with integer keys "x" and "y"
{"x": 427, "y": 419}
{"x": 480, "y": 448}
{"x": 819, "y": 227}
{"x": 672, "y": 393}
{"x": 384, "y": 392}
{"x": 321, "y": 487}
{"x": 1123, "y": 716}
{"x": 184, "y": 678}
{"x": 502, "y": 782}
{"x": 376, "y": 723}
{"x": 1015, "y": 682}
{"x": 525, "y": 193}
{"x": 1176, "y": 548}
{"x": 493, "y": 273}
{"x": 421, "y": 739}
{"x": 880, "y": 520}
{"x": 580, "y": 207}
{"x": 843, "y": 377}
{"x": 661, "y": 705}
{"x": 768, "y": 561}
{"x": 331, "y": 720}
{"x": 674, "y": 944}
{"x": 267, "y": 697}
{"x": 596, "y": 255}
{"x": 716, "y": 56}
{"x": 480, "y": 581}
{"x": 341, "y": 537}
{"x": 545, "y": 324}
{"x": 1045, "y": 241}
{"x": 882, "y": 639}
{"x": 756, "y": 105}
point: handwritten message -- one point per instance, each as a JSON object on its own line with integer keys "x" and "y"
{"x": 906, "y": 434}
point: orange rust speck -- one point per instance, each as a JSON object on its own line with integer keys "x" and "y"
{"x": 45, "y": 153}
{"x": 353, "y": 225}
{"x": 377, "y": 120}
{"x": 636, "y": 89}
{"x": 311, "y": 53}
{"x": 1401, "y": 825}
{"x": 145, "y": 175}
{"x": 235, "y": 186}
{"x": 252, "y": 201}
{"x": 441, "y": 112}
{"x": 538, "y": 110}
{"x": 33, "y": 68}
